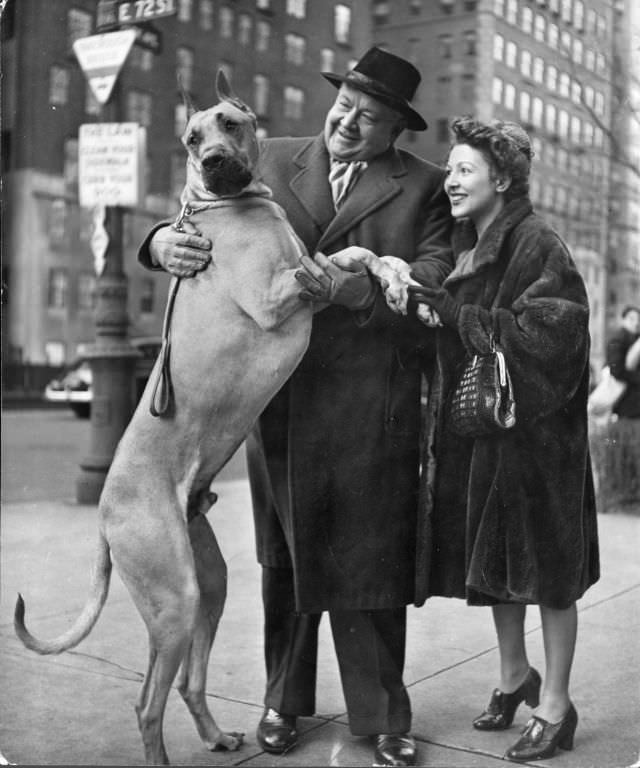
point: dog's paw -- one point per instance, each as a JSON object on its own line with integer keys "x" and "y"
{"x": 227, "y": 742}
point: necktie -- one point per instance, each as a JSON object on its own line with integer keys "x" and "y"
{"x": 342, "y": 177}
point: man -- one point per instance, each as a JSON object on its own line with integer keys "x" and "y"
{"x": 623, "y": 359}
{"x": 333, "y": 462}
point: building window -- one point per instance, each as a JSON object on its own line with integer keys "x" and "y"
{"x": 498, "y": 8}
{"x": 496, "y": 91}
{"x": 510, "y": 96}
{"x": 443, "y": 88}
{"x": 589, "y": 96}
{"x": 591, "y": 21}
{"x": 588, "y": 134}
{"x": 598, "y": 103}
{"x": 184, "y": 67}
{"x": 342, "y": 23}
{"x": 527, "y": 20}
{"x": 470, "y": 42}
{"x": 536, "y": 111}
{"x": 442, "y": 130}
{"x": 470, "y": 5}
{"x": 540, "y": 28}
{"x": 563, "y": 124}
{"x": 58, "y": 85}
{"x": 55, "y": 352}
{"x": 245, "y": 25}
{"x": 380, "y": 13}
{"x": 538, "y": 69}
{"x": 554, "y": 6}
{"x": 263, "y": 35}
{"x": 141, "y": 58}
{"x": 71, "y": 164}
{"x": 526, "y": 61}
{"x": 206, "y": 15}
{"x": 498, "y": 47}
{"x": 525, "y": 107}
{"x": 225, "y": 21}
{"x": 147, "y": 290}
{"x": 293, "y": 102}
{"x": 578, "y": 15}
{"x": 86, "y": 291}
{"x": 57, "y": 223}
{"x": 297, "y": 8}
{"x": 179, "y": 120}
{"x": 177, "y": 175}
{"x": 512, "y": 11}
{"x": 566, "y": 43}
{"x": 567, "y": 10}
{"x": 327, "y": 60}
{"x": 447, "y": 6}
{"x": 553, "y": 36}
{"x": 576, "y": 92}
{"x": 415, "y": 7}
{"x": 590, "y": 59}
{"x": 185, "y": 9}
{"x": 468, "y": 87}
{"x": 578, "y": 51}
{"x": 261, "y": 95}
{"x": 552, "y": 77}
{"x": 263, "y": 5}
{"x": 563, "y": 85}
{"x": 58, "y": 288}
{"x": 79, "y": 25}
{"x": 138, "y": 109}
{"x": 576, "y": 129}
{"x": 445, "y": 46}
{"x": 295, "y": 46}
{"x": 550, "y": 122}
{"x": 511, "y": 56}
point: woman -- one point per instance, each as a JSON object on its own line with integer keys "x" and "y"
{"x": 512, "y": 514}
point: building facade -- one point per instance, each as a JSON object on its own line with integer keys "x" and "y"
{"x": 272, "y": 52}
{"x": 563, "y": 68}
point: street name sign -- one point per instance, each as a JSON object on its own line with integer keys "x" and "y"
{"x": 111, "y": 164}
{"x": 101, "y": 58}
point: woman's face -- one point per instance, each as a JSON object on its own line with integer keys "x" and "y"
{"x": 471, "y": 190}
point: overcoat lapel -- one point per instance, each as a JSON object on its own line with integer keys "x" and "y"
{"x": 311, "y": 183}
{"x": 374, "y": 189}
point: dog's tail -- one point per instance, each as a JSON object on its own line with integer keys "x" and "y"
{"x": 101, "y": 577}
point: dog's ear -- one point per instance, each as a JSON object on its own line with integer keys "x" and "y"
{"x": 225, "y": 92}
{"x": 188, "y": 101}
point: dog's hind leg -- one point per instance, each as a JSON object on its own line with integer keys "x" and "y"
{"x": 211, "y": 571}
{"x": 166, "y": 594}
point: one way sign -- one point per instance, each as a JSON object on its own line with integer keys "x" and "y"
{"x": 101, "y": 58}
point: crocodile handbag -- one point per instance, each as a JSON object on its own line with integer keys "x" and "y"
{"x": 482, "y": 402}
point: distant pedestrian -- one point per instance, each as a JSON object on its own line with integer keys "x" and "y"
{"x": 623, "y": 359}
{"x": 512, "y": 512}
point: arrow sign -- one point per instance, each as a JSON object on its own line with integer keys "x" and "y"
{"x": 101, "y": 58}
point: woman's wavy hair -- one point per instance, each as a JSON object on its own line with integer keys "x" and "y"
{"x": 504, "y": 145}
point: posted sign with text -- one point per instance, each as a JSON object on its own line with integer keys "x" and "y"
{"x": 111, "y": 160}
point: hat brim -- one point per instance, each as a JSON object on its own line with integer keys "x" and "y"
{"x": 415, "y": 122}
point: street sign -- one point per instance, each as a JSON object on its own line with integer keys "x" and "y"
{"x": 111, "y": 160}
{"x": 145, "y": 10}
{"x": 101, "y": 58}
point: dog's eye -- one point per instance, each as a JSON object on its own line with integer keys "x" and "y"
{"x": 193, "y": 139}
{"x": 230, "y": 125}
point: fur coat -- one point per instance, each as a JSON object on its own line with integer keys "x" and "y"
{"x": 511, "y": 517}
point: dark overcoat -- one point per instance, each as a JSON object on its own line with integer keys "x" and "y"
{"x": 628, "y": 406}
{"x": 334, "y": 458}
{"x": 512, "y": 516}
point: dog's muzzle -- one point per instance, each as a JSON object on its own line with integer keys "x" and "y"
{"x": 225, "y": 174}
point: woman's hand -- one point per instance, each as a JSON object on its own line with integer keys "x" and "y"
{"x": 180, "y": 253}
{"x": 437, "y": 299}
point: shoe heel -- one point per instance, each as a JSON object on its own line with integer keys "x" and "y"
{"x": 566, "y": 739}
{"x": 532, "y": 698}
{"x": 566, "y": 742}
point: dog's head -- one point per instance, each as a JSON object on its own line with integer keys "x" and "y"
{"x": 221, "y": 144}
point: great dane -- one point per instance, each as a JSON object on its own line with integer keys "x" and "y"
{"x": 237, "y": 331}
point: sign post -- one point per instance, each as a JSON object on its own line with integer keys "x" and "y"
{"x": 109, "y": 171}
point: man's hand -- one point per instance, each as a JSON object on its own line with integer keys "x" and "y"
{"x": 180, "y": 253}
{"x": 437, "y": 299}
{"x": 324, "y": 281}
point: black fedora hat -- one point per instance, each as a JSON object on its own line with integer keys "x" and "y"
{"x": 388, "y": 78}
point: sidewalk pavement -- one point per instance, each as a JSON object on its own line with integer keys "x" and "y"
{"x": 77, "y": 708}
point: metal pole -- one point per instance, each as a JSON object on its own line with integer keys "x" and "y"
{"x": 111, "y": 357}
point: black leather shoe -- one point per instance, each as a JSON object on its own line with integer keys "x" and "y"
{"x": 397, "y": 749}
{"x": 277, "y": 733}
{"x": 540, "y": 739}
{"x": 502, "y": 706}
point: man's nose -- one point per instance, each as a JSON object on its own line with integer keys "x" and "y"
{"x": 350, "y": 119}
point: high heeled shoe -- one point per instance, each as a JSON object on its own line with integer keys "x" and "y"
{"x": 502, "y": 706}
{"x": 540, "y": 739}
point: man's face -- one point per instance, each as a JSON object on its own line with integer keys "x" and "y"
{"x": 631, "y": 321}
{"x": 358, "y": 127}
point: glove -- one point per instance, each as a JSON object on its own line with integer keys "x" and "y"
{"x": 323, "y": 281}
{"x": 437, "y": 298}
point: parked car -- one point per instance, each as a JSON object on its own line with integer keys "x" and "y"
{"x": 75, "y": 387}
